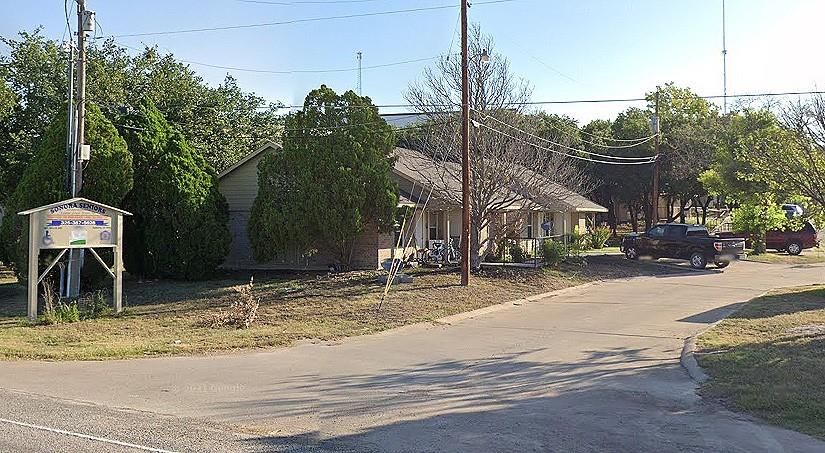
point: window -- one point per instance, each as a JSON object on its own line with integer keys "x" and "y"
{"x": 675, "y": 231}
{"x": 547, "y": 223}
{"x": 434, "y": 225}
{"x": 657, "y": 232}
{"x": 530, "y": 226}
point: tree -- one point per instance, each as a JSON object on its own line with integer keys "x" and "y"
{"x": 635, "y": 182}
{"x": 758, "y": 220}
{"x": 179, "y": 224}
{"x": 607, "y": 180}
{"x": 790, "y": 156}
{"x": 506, "y": 171}
{"x": 35, "y": 81}
{"x": 735, "y": 175}
{"x": 690, "y": 133}
{"x": 223, "y": 123}
{"x": 331, "y": 181}
{"x": 106, "y": 179}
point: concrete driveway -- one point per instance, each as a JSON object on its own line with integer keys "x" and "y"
{"x": 593, "y": 369}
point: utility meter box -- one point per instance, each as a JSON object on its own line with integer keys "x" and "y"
{"x": 85, "y": 152}
{"x": 88, "y": 21}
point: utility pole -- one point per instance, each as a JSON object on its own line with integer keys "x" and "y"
{"x": 360, "y": 93}
{"x": 654, "y": 201}
{"x": 465, "y": 151}
{"x": 85, "y": 23}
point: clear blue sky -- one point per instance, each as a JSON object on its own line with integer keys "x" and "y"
{"x": 567, "y": 49}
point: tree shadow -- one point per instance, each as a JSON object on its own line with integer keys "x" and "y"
{"x": 782, "y": 304}
{"x": 611, "y": 400}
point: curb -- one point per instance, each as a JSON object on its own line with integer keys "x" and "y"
{"x": 449, "y": 320}
{"x": 688, "y": 356}
{"x": 689, "y": 363}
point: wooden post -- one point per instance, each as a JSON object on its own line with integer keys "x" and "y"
{"x": 465, "y": 151}
{"x": 117, "y": 294}
{"x": 34, "y": 273}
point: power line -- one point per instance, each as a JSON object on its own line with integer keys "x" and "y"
{"x": 306, "y": 2}
{"x": 605, "y": 156}
{"x": 651, "y": 160}
{"x": 635, "y": 141}
{"x": 305, "y": 20}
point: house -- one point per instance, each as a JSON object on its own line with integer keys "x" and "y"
{"x": 436, "y": 215}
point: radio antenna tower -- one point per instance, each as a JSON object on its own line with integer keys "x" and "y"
{"x": 359, "y": 74}
{"x": 724, "y": 64}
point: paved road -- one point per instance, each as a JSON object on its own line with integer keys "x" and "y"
{"x": 594, "y": 369}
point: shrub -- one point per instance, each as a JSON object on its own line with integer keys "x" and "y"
{"x": 179, "y": 227}
{"x": 553, "y": 252}
{"x": 577, "y": 242}
{"x": 517, "y": 253}
{"x": 95, "y": 305}
{"x": 107, "y": 178}
{"x": 599, "y": 236}
{"x": 758, "y": 220}
{"x": 241, "y": 313}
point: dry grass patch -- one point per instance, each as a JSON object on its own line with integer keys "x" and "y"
{"x": 768, "y": 359}
{"x": 170, "y": 317}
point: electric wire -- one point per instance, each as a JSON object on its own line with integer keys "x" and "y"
{"x": 650, "y": 160}
{"x": 304, "y": 20}
{"x": 603, "y": 156}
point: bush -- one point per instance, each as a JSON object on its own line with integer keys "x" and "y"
{"x": 516, "y": 253}
{"x": 95, "y": 306}
{"x": 577, "y": 242}
{"x": 553, "y": 252}
{"x": 758, "y": 220}
{"x": 106, "y": 179}
{"x": 599, "y": 236}
{"x": 179, "y": 227}
{"x": 243, "y": 311}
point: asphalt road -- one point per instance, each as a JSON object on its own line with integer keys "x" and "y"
{"x": 593, "y": 369}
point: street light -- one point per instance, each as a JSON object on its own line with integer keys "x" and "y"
{"x": 484, "y": 57}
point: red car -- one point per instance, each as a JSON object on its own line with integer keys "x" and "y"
{"x": 791, "y": 241}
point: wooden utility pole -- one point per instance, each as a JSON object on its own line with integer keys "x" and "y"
{"x": 81, "y": 96}
{"x": 76, "y": 255}
{"x": 654, "y": 202}
{"x": 465, "y": 151}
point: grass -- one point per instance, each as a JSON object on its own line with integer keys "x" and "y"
{"x": 169, "y": 317}
{"x": 603, "y": 251}
{"x": 768, "y": 359}
{"x": 809, "y": 256}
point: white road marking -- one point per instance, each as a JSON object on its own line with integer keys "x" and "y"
{"x": 85, "y": 436}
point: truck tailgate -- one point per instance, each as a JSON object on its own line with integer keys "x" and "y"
{"x": 735, "y": 246}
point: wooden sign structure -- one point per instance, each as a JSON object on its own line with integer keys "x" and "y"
{"x": 76, "y": 223}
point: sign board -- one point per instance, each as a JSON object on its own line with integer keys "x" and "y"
{"x": 77, "y": 223}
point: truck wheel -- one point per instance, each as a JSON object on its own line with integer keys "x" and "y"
{"x": 631, "y": 253}
{"x": 721, "y": 264}
{"x": 698, "y": 261}
{"x": 794, "y": 248}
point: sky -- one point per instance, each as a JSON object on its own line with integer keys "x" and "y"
{"x": 567, "y": 50}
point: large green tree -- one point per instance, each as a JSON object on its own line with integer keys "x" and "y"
{"x": 735, "y": 174}
{"x": 634, "y": 181}
{"x": 179, "y": 224}
{"x": 690, "y": 131}
{"x": 331, "y": 181}
{"x": 107, "y": 178}
{"x": 222, "y": 122}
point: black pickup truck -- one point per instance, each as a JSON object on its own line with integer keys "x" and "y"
{"x": 680, "y": 241}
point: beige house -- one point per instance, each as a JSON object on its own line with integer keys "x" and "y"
{"x": 434, "y": 216}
